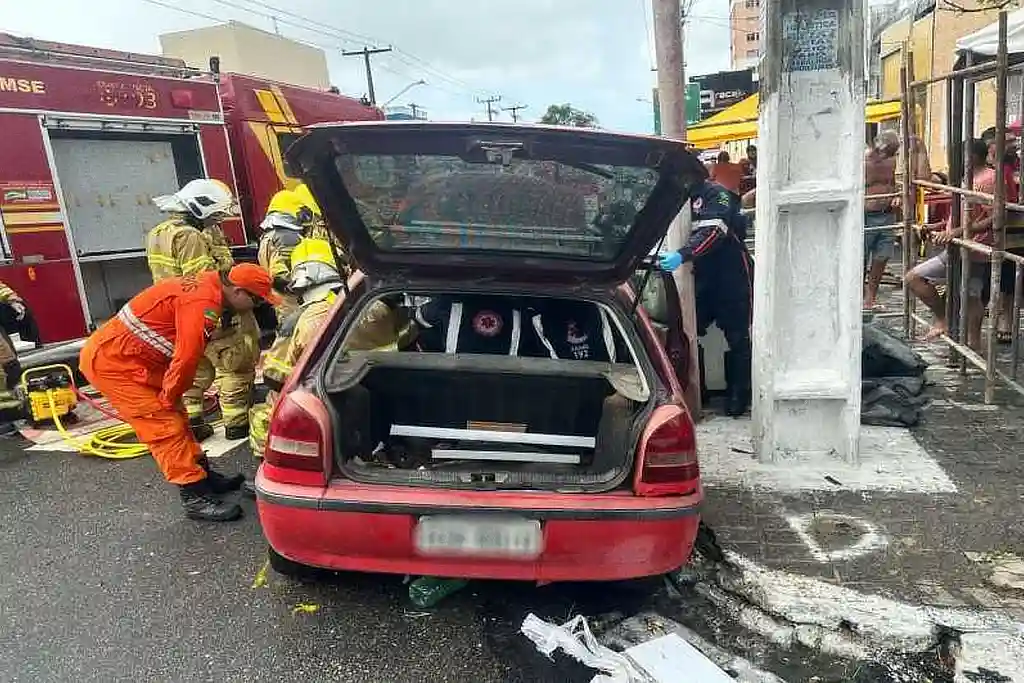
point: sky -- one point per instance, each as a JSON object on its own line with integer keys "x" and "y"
{"x": 595, "y": 54}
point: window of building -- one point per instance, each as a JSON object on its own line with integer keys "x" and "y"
{"x": 753, "y": 36}
{"x": 751, "y": 4}
{"x": 752, "y": 53}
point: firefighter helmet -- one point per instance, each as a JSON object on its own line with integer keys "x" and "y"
{"x": 285, "y": 201}
{"x": 306, "y": 197}
{"x": 203, "y": 198}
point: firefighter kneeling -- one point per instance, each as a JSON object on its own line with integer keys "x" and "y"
{"x": 317, "y": 282}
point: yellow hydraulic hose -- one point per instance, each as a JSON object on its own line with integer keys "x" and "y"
{"x": 108, "y": 442}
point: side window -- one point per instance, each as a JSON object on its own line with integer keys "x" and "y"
{"x": 284, "y": 141}
{"x": 660, "y": 299}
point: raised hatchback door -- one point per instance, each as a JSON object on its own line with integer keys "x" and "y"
{"x": 459, "y": 201}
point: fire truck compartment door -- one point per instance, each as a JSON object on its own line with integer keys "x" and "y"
{"x": 108, "y": 187}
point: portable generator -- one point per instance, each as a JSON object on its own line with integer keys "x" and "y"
{"x": 49, "y": 392}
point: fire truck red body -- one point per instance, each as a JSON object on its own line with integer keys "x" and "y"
{"x": 90, "y": 136}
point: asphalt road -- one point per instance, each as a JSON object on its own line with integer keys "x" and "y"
{"x": 102, "y": 579}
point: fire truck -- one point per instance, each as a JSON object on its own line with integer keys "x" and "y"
{"x": 90, "y": 136}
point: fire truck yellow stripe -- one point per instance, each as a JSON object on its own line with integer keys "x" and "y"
{"x": 18, "y": 208}
{"x": 57, "y": 227}
{"x": 286, "y": 108}
{"x": 262, "y": 132}
{"x": 270, "y": 106}
{"x": 31, "y": 217}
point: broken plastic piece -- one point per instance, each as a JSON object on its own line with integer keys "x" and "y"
{"x": 576, "y": 640}
{"x": 427, "y": 591}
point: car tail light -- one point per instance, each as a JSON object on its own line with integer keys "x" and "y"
{"x": 294, "y": 440}
{"x": 668, "y": 459}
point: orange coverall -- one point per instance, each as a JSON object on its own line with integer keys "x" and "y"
{"x": 144, "y": 359}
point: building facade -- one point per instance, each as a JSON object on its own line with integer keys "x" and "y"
{"x": 927, "y": 31}
{"x": 745, "y": 25}
{"x": 246, "y": 50}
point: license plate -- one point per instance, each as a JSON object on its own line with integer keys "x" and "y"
{"x": 479, "y": 537}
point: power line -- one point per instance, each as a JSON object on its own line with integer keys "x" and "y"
{"x": 346, "y": 36}
{"x": 366, "y": 52}
{"x": 330, "y": 48}
{"x": 489, "y": 101}
{"x": 514, "y": 109}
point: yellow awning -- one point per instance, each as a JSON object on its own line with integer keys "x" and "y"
{"x": 739, "y": 122}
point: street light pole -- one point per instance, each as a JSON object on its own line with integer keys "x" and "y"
{"x": 403, "y": 91}
{"x": 668, "y": 48}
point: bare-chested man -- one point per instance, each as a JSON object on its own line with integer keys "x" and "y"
{"x": 880, "y": 178}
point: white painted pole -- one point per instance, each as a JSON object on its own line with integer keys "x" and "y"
{"x": 809, "y": 271}
{"x": 668, "y": 48}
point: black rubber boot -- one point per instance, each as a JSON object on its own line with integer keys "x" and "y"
{"x": 237, "y": 432}
{"x": 249, "y": 489}
{"x": 200, "y": 430}
{"x": 738, "y": 393}
{"x": 200, "y": 503}
{"x": 220, "y": 483}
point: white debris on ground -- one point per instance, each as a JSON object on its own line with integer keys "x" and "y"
{"x": 654, "y": 650}
{"x": 649, "y": 626}
{"x": 1006, "y": 569}
{"x": 790, "y": 609}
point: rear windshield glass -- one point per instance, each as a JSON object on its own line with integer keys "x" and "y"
{"x": 444, "y": 202}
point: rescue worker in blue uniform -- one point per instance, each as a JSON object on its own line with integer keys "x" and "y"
{"x": 723, "y": 282}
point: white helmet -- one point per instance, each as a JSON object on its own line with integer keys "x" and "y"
{"x": 204, "y": 198}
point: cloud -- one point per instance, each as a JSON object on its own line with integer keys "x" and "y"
{"x": 592, "y": 53}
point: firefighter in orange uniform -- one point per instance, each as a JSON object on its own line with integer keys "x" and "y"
{"x": 144, "y": 359}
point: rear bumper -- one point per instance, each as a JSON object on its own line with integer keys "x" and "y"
{"x": 355, "y": 527}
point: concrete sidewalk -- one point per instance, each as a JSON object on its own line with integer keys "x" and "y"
{"x": 929, "y": 521}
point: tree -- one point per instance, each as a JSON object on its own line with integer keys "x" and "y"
{"x": 568, "y": 115}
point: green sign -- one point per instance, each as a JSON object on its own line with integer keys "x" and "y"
{"x": 692, "y": 103}
{"x": 692, "y": 106}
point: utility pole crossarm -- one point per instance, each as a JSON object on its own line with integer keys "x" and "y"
{"x": 366, "y": 53}
{"x": 489, "y": 101}
{"x": 514, "y": 110}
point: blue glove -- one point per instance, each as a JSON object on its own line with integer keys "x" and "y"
{"x": 670, "y": 261}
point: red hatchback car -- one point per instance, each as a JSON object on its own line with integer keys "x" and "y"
{"x": 531, "y": 425}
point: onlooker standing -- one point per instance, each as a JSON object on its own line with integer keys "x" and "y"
{"x": 727, "y": 174}
{"x": 749, "y": 166}
{"x": 1010, "y": 166}
{"x": 880, "y": 179}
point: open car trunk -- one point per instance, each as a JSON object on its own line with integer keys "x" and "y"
{"x": 486, "y": 421}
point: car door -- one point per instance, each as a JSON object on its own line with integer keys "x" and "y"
{"x": 659, "y": 297}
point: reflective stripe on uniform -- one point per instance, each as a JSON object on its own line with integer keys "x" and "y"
{"x": 144, "y": 332}
{"x": 276, "y": 364}
{"x": 200, "y": 263}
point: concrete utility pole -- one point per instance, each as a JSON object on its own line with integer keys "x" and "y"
{"x": 514, "y": 110}
{"x": 809, "y": 237}
{"x": 668, "y": 48}
{"x": 489, "y": 101}
{"x": 366, "y": 52}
